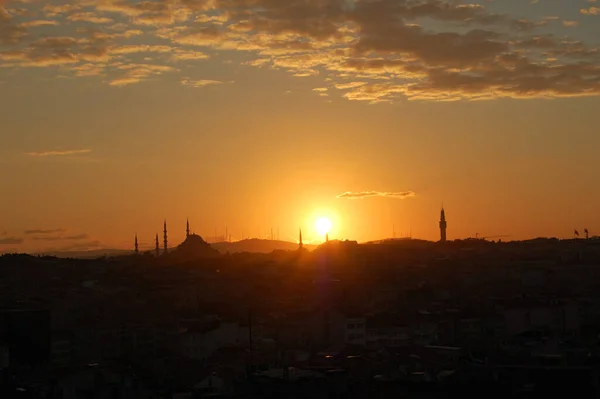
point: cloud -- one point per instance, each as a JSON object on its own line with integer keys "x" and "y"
{"x": 349, "y": 85}
{"x": 52, "y": 10}
{"x": 41, "y": 231}
{"x": 10, "y": 31}
{"x": 124, "y": 81}
{"x": 129, "y": 49}
{"x": 570, "y": 24}
{"x": 40, "y": 22}
{"x": 135, "y": 73}
{"x": 11, "y": 241}
{"x": 187, "y": 55}
{"x": 199, "y": 83}
{"x": 375, "y": 50}
{"x": 57, "y": 153}
{"x": 365, "y": 194}
{"x": 590, "y": 11}
{"x": 89, "y": 17}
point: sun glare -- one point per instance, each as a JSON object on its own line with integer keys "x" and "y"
{"x": 323, "y": 225}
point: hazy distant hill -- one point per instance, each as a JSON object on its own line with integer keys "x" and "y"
{"x": 251, "y": 245}
{"x": 96, "y": 253}
{"x": 256, "y": 245}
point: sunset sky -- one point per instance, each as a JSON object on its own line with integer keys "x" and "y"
{"x": 260, "y": 114}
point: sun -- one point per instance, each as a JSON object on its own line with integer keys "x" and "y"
{"x": 323, "y": 225}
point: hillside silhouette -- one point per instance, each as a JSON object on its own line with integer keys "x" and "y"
{"x": 253, "y": 245}
{"x": 258, "y": 246}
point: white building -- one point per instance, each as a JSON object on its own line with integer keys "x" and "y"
{"x": 355, "y": 331}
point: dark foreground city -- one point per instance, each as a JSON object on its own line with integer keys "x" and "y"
{"x": 397, "y": 318}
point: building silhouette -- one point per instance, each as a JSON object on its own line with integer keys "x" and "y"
{"x": 192, "y": 245}
{"x": 157, "y": 247}
{"x": 443, "y": 225}
{"x": 300, "y": 240}
{"x": 26, "y": 334}
{"x": 165, "y": 242}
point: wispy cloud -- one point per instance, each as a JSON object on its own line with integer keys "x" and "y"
{"x": 79, "y": 246}
{"x": 199, "y": 83}
{"x": 569, "y": 24}
{"x": 29, "y": 24}
{"x": 365, "y": 194}
{"x": 42, "y": 231}
{"x": 63, "y": 238}
{"x": 11, "y": 241}
{"x": 54, "y": 153}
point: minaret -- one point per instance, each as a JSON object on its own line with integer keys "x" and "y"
{"x": 300, "y": 240}
{"x": 443, "y": 225}
{"x": 187, "y": 229}
{"x": 326, "y": 237}
{"x": 137, "y": 250}
{"x": 157, "y": 247}
{"x": 165, "y": 243}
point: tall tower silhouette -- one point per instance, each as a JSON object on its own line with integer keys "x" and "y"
{"x": 300, "y": 240}
{"x": 157, "y": 247}
{"x": 165, "y": 242}
{"x": 443, "y": 225}
{"x": 187, "y": 229}
{"x": 137, "y": 250}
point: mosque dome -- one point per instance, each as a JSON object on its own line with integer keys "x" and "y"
{"x": 194, "y": 246}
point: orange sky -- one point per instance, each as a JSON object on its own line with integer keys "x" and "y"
{"x": 252, "y": 115}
